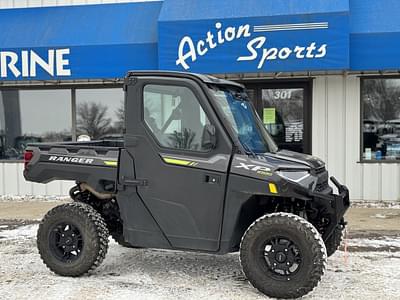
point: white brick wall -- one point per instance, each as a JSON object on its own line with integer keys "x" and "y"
{"x": 40, "y": 3}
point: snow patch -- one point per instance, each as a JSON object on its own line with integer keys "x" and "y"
{"x": 30, "y": 198}
{"x": 383, "y": 242}
{"x": 23, "y": 232}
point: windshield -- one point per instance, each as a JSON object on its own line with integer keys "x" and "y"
{"x": 242, "y": 117}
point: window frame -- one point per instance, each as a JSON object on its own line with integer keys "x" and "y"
{"x": 150, "y": 132}
{"x": 72, "y": 88}
{"x": 361, "y": 122}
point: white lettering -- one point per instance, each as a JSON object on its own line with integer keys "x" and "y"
{"x": 284, "y": 53}
{"x": 260, "y": 168}
{"x": 269, "y": 54}
{"x": 244, "y": 166}
{"x": 10, "y": 65}
{"x": 200, "y": 48}
{"x": 26, "y": 62}
{"x": 310, "y": 50}
{"x": 183, "y": 57}
{"x": 210, "y": 40}
{"x": 230, "y": 34}
{"x": 244, "y": 30}
{"x": 259, "y": 41}
{"x": 187, "y": 48}
{"x": 256, "y": 47}
{"x": 37, "y": 60}
{"x": 254, "y": 168}
{"x": 62, "y": 62}
{"x": 321, "y": 51}
{"x": 218, "y": 25}
{"x": 299, "y": 51}
{"x": 66, "y": 159}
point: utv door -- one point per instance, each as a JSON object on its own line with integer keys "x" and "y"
{"x": 181, "y": 151}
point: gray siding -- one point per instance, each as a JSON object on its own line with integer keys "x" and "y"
{"x": 13, "y": 183}
{"x": 336, "y": 139}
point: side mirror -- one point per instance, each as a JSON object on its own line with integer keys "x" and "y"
{"x": 209, "y": 139}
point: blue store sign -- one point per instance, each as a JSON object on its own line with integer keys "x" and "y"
{"x": 264, "y": 44}
{"x": 78, "y": 42}
{"x": 105, "y": 41}
{"x": 92, "y": 61}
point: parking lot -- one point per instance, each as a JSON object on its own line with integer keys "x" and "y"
{"x": 369, "y": 270}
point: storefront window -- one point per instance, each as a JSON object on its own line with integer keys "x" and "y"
{"x": 100, "y": 113}
{"x": 29, "y": 116}
{"x": 380, "y": 100}
{"x": 283, "y": 116}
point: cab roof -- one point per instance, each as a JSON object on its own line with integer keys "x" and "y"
{"x": 202, "y": 77}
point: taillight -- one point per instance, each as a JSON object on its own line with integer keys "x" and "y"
{"x": 27, "y": 157}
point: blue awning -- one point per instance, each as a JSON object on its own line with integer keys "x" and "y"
{"x": 72, "y": 42}
{"x": 208, "y": 36}
{"x": 375, "y": 35}
{"x": 254, "y": 36}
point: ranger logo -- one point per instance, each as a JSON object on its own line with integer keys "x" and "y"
{"x": 66, "y": 159}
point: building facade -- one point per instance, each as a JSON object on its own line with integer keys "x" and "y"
{"x": 323, "y": 76}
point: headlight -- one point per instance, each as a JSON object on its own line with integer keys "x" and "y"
{"x": 294, "y": 175}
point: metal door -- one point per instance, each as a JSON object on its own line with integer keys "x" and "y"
{"x": 184, "y": 177}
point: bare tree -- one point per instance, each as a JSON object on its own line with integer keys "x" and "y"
{"x": 381, "y": 99}
{"x": 92, "y": 120}
{"x": 120, "y": 114}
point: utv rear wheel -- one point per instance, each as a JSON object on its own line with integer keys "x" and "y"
{"x": 72, "y": 239}
{"x": 283, "y": 255}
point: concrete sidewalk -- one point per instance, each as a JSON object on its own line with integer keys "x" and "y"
{"x": 362, "y": 221}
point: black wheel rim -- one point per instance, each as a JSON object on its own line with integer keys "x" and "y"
{"x": 66, "y": 242}
{"x": 282, "y": 257}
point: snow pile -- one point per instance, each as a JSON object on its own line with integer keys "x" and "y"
{"x": 375, "y": 204}
{"x": 14, "y": 198}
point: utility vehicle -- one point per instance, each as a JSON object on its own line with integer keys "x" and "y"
{"x": 195, "y": 171}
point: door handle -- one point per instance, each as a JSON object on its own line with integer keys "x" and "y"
{"x": 134, "y": 182}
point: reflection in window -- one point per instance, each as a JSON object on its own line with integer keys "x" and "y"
{"x": 28, "y": 116}
{"x": 283, "y": 116}
{"x": 381, "y": 118}
{"x": 100, "y": 113}
{"x": 175, "y": 117}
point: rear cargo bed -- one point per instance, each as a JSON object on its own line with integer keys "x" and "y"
{"x": 95, "y": 163}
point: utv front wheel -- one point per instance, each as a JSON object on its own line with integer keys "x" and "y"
{"x": 72, "y": 239}
{"x": 283, "y": 255}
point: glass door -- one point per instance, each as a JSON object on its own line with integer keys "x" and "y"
{"x": 285, "y": 109}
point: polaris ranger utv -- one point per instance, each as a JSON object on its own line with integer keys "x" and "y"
{"x": 196, "y": 171}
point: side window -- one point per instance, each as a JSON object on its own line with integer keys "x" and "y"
{"x": 175, "y": 117}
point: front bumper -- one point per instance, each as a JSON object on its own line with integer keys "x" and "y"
{"x": 334, "y": 206}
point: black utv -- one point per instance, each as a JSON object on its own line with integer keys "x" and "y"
{"x": 195, "y": 171}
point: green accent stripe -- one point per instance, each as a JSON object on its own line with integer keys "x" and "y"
{"x": 111, "y": 163}
{"x": 179, "y": 162}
